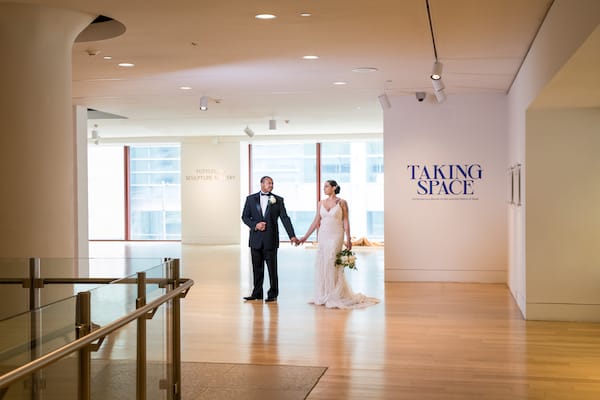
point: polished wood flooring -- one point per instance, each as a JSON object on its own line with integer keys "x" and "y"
{"x": 423, "y": 341}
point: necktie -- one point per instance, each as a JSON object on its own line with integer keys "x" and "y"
{"x": 265, "y": 194}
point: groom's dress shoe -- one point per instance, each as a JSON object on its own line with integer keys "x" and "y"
{"x": 270, "y": 299}
{"x": 247, "y": 298}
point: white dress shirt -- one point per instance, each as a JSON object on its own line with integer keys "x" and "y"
{"x": 264, "y": 201}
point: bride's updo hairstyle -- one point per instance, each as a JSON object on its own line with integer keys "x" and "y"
{"x": 334, "y": 184}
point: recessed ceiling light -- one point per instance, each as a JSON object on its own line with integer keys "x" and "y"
{"x": 340, "y": 83}
{"x": 107, "y": 57}
{"x": 185, "y": 88}
{"x": 265, "y": 16}
{"x": 311, "y": 57}
{"x": 365, "y": 69}
{"x": 126, "y": 65}
{"x": 305, "y": 14}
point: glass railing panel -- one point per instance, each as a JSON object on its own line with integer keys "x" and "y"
{"x": 14, "y": 299}
{"x": 57, "y": 381}
{"x": 96, "y": 267}
{"x": 113, "y": 301}
{"x": 58, "y": 324}
{"x": 31, "y": 335}
{"x": 157, "y": 339}
{"x": 19, "y": 390}
{"x": 15, "y": 342}
{"x": 60, "y": 379}
{"x": 157, "y": 354}
{"x": 56, "y": 268}
{"x": 117, "y": 267}
{"x": 88, "y": 268}
{"x": 113, "y": 367}
{"x": 156, "y": 277}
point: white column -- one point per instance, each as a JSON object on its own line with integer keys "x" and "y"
{"x": 37, "y": 167}
{"x": 81, "y": 179}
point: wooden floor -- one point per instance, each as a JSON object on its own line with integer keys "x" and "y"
{"x": 423, "y": 341}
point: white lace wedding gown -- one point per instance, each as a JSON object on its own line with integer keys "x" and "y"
{"x": 331, "y": 288}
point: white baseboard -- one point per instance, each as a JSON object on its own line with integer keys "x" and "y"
{"x": 563, "y": 312}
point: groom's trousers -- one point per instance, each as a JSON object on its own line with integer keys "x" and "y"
{"x": 259, "y": 258}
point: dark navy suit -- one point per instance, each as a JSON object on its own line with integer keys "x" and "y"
{"x": 264, "y": 244}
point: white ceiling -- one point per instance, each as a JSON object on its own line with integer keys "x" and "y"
{"x": 255, "y": 68}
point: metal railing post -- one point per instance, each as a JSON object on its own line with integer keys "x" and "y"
{"x": 176, "y": 331}
{"x": 141, "y": 338}
{"x": 167, "y": 383}
{"x": 35, "y": 331}
{"x": 83, "y": 321}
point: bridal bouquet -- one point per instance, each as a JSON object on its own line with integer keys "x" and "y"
{"x": 345, "y": 259}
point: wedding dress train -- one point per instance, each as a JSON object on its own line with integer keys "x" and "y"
{"x": 331, "y": 288}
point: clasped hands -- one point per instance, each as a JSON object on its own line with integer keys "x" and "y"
{"x": 299, "y": 242}
{"x": 302, "y": 240}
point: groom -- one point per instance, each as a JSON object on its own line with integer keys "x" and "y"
{"x": 261, "y": 212}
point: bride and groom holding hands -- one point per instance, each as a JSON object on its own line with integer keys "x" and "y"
{"x": 261, "y": 213}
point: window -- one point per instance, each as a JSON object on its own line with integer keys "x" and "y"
{"x": 154, "y": 209}
{"x": 155, "y": 192}
{"x": 336, "y": 161}
{"x": 356, "y": 166}
{"x": 375, "y": 225}
{"x": 351, "y": 165}
{"x": 106, "y": 193}
{"x": 292, "y": 167}
{"x": 375, "y": 162}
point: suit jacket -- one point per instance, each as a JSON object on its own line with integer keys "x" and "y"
{"x": 252, "y": 214}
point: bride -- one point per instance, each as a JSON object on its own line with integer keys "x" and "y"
{"x": 331, "y": 288}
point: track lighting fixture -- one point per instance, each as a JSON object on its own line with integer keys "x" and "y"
{"x": 436, "y": 72}
{"x": 203, "y": 103}
{"x": 438, "y": 89}
{"x": 438, "y": 84}
{"x": 248, "y": 131}
{"x": 272, "y": 124}
{"x": 384, "y": 101}
{"x": 95, "y": 135}
{"x": 440, "y": 96}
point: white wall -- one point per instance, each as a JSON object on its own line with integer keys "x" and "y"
{"x": 567, "y": 25}
{"x": 563, "y": 214}
{"x": 210, "y": 193}
{"x": 446, "y": 238}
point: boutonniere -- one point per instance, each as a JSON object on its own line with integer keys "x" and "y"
{"x": 272, "y": 199}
